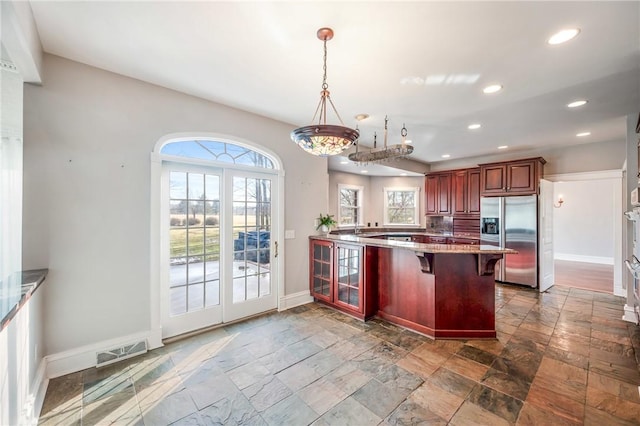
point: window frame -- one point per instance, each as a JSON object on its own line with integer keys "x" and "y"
{"x": 359, "y": 207}
{"x": 416, "y": 194}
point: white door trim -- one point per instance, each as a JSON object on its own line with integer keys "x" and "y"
{"x": 155, "y": 197}
{"x": 618, "y": 223}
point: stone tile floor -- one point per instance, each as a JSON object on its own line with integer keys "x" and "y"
{"x": 562, "y": 357}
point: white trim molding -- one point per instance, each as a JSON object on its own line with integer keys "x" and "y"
{"x": 84, "y": 357}
{"x": 296, "y": 299}
{"x": 630, "y": 314}
{"x": 619, "y": 272}
{"x": 596, "y": 175}
{"x": 586, "y": 259}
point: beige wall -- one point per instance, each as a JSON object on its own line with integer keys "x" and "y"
{"x": 373, "y": 193}
{"x": 338, "y": 178}
{"x": 88, "y": 138}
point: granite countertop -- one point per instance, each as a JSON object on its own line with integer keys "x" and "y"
{"x": 418, "y": 247}
{"x": 29, "y": 281}
{"x": 368, "y": 232}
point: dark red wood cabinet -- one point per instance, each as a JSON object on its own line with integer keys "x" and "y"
{"x": 438, "y": 194}
{"x": 321, "y": 269}
{"x": 511, "y": 178}
{"x": 462, "y": 240}
{"x": 337, "y": 277}
{"x": 466, "y": 192}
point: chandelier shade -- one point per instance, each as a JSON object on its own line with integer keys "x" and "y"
{"x": 324, "y": 139}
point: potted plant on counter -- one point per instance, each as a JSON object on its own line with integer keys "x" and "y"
{"x": 325, "y": 222}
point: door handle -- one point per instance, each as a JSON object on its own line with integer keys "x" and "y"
{"x": 276, "y": 253}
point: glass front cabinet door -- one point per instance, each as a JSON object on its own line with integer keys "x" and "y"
{"x": 337, "y": 275}
{"x": 322, "y": 270}
{"x": 348, "y": 278}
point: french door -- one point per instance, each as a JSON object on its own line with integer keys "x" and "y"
{"x": 219, "y": 247}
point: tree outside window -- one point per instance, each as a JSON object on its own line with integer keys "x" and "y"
{"x": 401, "y": 206}
{"x": 350, "y": 205}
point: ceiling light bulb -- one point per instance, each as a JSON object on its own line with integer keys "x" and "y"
{"x": 576, "y": 104}
{"x": 446, "y": 155}
{"x": 503, "y": 147}
{"x": 403, "y": 174}
{"x": 492, "y": 89}
{"x": 583, "y": 134}
{"x": 361, "y": 117}
{"x": 563, "y": 36}
{"x": 474, "y": 126}
{"x": 408, "y": 141}
{"x": 364, "y": 171}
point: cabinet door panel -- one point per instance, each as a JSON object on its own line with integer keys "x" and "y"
{"x": 493, "y": 179}
{"x": 431, "y": 195}
{"x": 321, "y": 279}
{"x": 348, "y": 284}
{"x": 460, "y": 191}
{"x": 473, "y": 195}
{"x": 520, "y": 177}
{"x": 444, "y": 194}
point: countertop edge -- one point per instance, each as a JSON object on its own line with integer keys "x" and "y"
{"x": 418, "y": 247}
{"x": 29, "y": 282}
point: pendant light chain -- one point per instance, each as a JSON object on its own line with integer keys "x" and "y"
{"x": 325, "y": 86}
{"x": 324, "y": 139}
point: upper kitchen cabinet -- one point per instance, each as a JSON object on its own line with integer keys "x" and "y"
{"x": 438, "y": 194}
{"x": 511, "y": 178}
{"x": 466, "y": 192}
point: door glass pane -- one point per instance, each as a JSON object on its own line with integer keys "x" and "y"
{"x": 212, "y": 293}
{"x": 178, "y": 300}
{"x": 252, "y": 238}
{"x": 194, "y": 241}
{"x": 196, "y": 297}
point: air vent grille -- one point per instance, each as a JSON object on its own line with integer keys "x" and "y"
{"x": 123, "y": 352}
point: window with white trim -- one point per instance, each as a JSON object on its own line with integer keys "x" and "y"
{"x": 350, "y": 198}
{"x": 401, "y": 206}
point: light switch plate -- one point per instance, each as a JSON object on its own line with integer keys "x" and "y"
{"x": 289, "y": 234}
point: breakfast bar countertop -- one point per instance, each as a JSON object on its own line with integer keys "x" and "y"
{"x": 367, "y": 240}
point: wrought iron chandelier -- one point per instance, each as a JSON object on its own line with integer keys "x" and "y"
{"x": 324, "y": 139}
{"x": 387, "y": 153}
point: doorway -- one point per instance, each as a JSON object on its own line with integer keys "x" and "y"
{"x": 218, "y": 257}
{"x": 588, "y": 231}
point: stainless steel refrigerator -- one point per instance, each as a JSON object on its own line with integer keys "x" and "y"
{"x": 512, "y": 222}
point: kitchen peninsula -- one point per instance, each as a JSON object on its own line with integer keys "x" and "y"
{"x": 439, "y": 290}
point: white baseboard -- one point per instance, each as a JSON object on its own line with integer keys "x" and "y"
{"x": 629, "y": 314}
{"x": 85, "y": 356}
{"x": 580, "y": 258}
{"x": 296, "y": 299}
{"x": 39, "y": 387}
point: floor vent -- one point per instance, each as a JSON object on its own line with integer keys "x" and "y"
{"x": 123, "y": 352}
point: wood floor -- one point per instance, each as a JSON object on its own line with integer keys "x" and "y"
{"x": 587, "y": 276}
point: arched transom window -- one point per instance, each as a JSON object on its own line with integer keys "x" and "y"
{"x": 217, "y": 151}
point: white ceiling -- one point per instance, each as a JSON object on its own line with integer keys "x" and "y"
{"x": 264, "y": 57}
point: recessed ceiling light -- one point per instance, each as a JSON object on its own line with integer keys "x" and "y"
{"x": 344, "y": 162}
{"x": 361, "y": 117}
{"x": 576, "y": 104}
{"x": 503, "y": 147}
{"x": 446, "y": 155}
{"x": 583, "y": 134}
{"x": 408, "y": 141}
{"x": 403, "y": 174}
{"x": 563, "y": 36}
{"x": 492, "y": 89}
{"x": 474, "y": 126}
{"x": 364, "y": 171}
